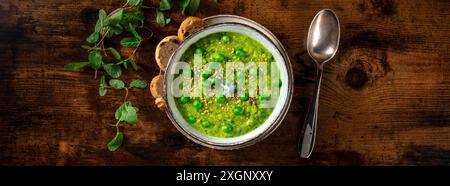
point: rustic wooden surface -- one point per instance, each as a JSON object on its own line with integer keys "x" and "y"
{"x": 385, "y": 98}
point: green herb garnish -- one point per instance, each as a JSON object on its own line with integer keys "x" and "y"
{"x": 126, "y": 112}
{"x": 127, "y": 19}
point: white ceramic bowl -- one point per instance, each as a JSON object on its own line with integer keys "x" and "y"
{"x": 280, "y": 109}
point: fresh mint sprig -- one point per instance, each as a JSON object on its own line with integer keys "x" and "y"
{"x": 165, "y": 5}
{"x": 127, "y": 19}
{"x": 126, "y": 112}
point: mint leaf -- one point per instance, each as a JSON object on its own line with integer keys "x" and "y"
{"x": 138, "y": 84}
{"x": 115, "y": 53}
{"x": 99, "y": 26}
{"x": 165, "y": 5}
{"x": 130, "y": 42}
{"x": 116, "y": 17}
{"x": 75, "y": 66}
{"x": 114, "y": 30}
{"x": 101, "y": 22}
{"x": 95, "y": 59}
{"x": 125, "y": 64}
{"x": 102, "y": 87}
{"x": 129, "y": 113}
{"x": 134, "y": 2}
{"x": 116, "y": 142}
{"x": 116, "y": 84}
{"x": 87, "y": 47}
{"x": 161, "y": 19}
{"x": 93, "y": 38}
{"x": 102, "y": 16}
{"x": 184, "y": 4}
{"x": 193, "y": 6}
{"x": 133, "y": 64}
{"x": 133, "y": 18}
{"x": 118, "y": 113}
{"x": 126, "y": 112}
{"x": 113, "y": 70}
{"x": 132, "y": 30}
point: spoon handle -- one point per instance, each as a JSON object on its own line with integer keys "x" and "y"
{"x": 308, "y": 133}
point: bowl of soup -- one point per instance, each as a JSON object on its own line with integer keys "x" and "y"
{"x": 228, "y": 85}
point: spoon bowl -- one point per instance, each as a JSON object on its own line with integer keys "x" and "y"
{"x": 323, "y": 36}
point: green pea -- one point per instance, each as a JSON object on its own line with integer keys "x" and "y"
{"x": 197, "y": 104}
{"x": 245, "y": 97}
{"x": 206, "y": 124}
{"x": 240, "y": 52}
{"x": 225, "y": 38}
{"x": 199, "y": 50}
{"x": 261, "y": 98}
{"x": 227, "y": 128}
{"x": 184, "y": 99}
{"x": 192, "y": 119}
{"x": 221, "y": 99}
{"x": 205, "y": 75}
{"x": 238, "y": 110}
{"x": 220, "y": 58}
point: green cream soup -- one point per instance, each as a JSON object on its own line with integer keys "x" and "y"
{"x": 224, "y": 116}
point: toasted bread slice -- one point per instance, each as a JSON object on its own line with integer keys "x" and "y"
{"x": 156, "y": 86}
{"x": 165, "y": 49}
{"x": 156, "y": 89}
{"x": 160, "y": 103}
{"x": 189, "y": 26}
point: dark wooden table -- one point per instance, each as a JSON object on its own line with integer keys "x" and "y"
{"x": 385, "y": 98}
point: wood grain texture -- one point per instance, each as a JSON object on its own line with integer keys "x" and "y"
{"x": 385, "y": 98}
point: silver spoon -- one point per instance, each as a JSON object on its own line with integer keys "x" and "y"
{"x": 322, "y": 44}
